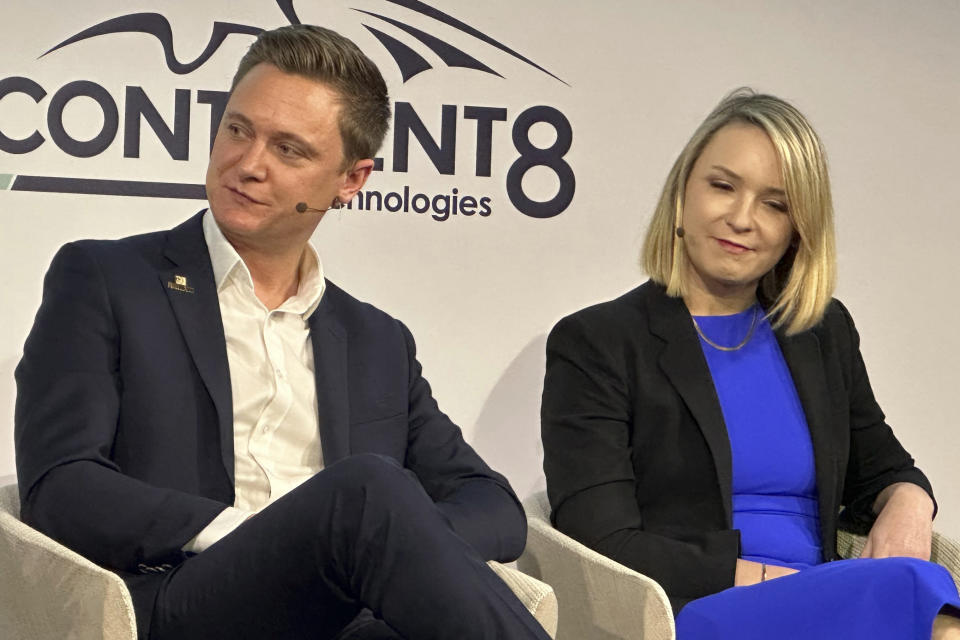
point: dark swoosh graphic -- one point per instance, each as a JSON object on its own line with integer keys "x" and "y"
{"x": 410, "y": 62}
{"x": 158, "y": 26}
{"x": 288, "y": 11}
{"x": 436, "y": 14}
{"x": 96, "y": 186}
{"x": 452, "y": 56}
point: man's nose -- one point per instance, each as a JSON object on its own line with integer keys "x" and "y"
{"x": 253, "y": 162}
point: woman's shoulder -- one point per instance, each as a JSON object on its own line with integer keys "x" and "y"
{"x": 836, "y": 331}
{"x": 626, "y": 314}
{"x": 836, "y": 318}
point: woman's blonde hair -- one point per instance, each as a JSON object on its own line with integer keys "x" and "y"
{"x": 798, "y": 289}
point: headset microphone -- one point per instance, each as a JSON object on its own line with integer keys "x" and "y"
{"x": 303, "y": 207}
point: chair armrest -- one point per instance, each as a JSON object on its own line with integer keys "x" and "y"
{"x": 944, "y": 551}
{"x": 849, "y": 545}
{"x": 536, "y": 596}
{"x": 598, "y": 597}
{"x": 48, "y": 591}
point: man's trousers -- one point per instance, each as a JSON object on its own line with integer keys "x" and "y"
{"x": 360, "y": 534}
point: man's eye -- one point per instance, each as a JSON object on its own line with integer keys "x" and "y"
{"x": 288, "y": 150}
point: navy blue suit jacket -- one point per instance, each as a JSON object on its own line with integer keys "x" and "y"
{"x": 124, "y": 420}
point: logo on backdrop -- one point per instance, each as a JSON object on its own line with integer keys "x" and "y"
{"x": 407, "y": 123}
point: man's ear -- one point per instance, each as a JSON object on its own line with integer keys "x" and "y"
{"x": 354, "y": 179}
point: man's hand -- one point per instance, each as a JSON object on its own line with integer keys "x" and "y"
{"x": 904, "y": 525}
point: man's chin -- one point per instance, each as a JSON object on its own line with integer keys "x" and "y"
{"x": 234, "y": 221}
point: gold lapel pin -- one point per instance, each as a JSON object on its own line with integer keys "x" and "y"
{"x": 180, "y": 284}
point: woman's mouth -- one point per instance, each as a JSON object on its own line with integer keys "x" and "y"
{"x": 732, "y": 247}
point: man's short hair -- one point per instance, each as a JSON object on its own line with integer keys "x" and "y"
{"x": 325, "y": 56}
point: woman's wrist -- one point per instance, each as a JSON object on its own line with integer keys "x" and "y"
{"x": 905, "y": 493}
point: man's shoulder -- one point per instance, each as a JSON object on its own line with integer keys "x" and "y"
{"x": 116, "y": 246}
{"x": 148, "y": 243}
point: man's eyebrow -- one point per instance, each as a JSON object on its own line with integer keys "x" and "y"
{"x": 735, "y": 176}
{"x": 298, "y": 140}
{"x": 236, "y": 115}
{"x": 286, "y": 136}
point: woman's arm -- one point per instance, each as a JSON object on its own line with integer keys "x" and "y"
{"x": 588, "y": 422}
{"x": 904, "y": 524}
{"x": 883, "y": 488}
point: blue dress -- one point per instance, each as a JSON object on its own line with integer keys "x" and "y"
{"x": 775, "y": 507}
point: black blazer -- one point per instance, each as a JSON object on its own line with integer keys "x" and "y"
{"x": 124, "y": 415}
{"x": 636, "y": 452}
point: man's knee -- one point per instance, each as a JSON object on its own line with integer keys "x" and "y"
{"x": 374, "y": 474}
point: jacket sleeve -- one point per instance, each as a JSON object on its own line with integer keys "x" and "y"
{"x": 479, "y": 503}
{"x": 587, "y": 422}
{"x": 877, "y": 459}
{"x": 69, "y": 386}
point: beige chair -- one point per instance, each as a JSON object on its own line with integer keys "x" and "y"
{"x": 49, "y": 592}
{"x": 603, "y": 600}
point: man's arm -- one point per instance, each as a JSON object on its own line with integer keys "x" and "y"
{"x": 69, "y": 388}
{"x": 478, "y": 502}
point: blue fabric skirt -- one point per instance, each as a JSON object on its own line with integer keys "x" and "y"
{"x": 876, "y": 599}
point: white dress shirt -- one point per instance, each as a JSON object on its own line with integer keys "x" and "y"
{"x": 276, "y": 436}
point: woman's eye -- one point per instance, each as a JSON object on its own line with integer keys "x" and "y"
{"x": 720, "y": 184}
{"x": 779, "y": 206}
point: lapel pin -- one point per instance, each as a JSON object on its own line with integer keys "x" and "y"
{"x": 180, "y": 284}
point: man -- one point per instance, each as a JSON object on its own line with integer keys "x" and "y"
{"x": 253, "y": 450}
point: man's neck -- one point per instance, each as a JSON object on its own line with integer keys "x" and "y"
{"x": 276, "y": 277}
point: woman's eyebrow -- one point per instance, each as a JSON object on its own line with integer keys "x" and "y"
{"x": 776, "y": 191}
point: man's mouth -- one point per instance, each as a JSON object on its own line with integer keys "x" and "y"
{"x": 244, "y": 196}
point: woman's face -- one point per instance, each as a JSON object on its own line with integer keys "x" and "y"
{"x": 735, "y": 217}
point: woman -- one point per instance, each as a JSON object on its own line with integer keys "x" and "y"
{"x": 707, "y": 427}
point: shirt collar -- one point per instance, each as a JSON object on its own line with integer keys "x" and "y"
{"x": 226, "y": 262}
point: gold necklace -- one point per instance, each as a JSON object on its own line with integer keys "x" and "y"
{"x": 753, "y": 326}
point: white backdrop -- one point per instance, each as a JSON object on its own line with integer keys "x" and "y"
{"x": 878, "y": 80}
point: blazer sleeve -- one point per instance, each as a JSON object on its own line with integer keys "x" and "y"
{"x": 587, "y": 421}
{"x": 877, "y": 459}
{"x": 479, "y": 503}
{"x": 69, "y": 385}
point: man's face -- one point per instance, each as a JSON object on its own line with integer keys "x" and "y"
{"x": 278, "y": 144}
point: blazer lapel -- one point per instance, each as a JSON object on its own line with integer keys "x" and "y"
{"x": 684, "y": 364}
{"x": 192, "y": 292}
{"x": 329, "y": 340}
{"x": 802, "y": 353}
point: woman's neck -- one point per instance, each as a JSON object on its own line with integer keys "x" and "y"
{"x": 722, "y": 303}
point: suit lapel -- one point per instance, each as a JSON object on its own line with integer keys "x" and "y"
{"x": 329, "y": 340}
{"x": 684, "y": 364}
{"x": 802, "y": 353}
{"x": 192, "y": 292}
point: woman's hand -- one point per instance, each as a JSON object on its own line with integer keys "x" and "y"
{"x": 749, "y": 572}
{"x": 904, "y": 525}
